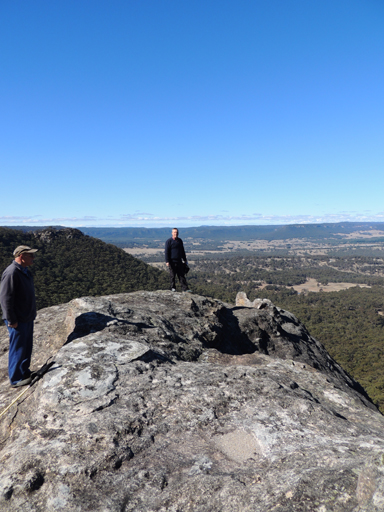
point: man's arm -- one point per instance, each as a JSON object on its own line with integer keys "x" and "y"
{"x": 167, "y": 252}
{"x": 183, "y": 255}
{"x": 7, "y": 299}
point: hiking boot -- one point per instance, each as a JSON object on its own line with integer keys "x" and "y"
{"x": 23, "y": 382}
{"x": 173, "y": 290}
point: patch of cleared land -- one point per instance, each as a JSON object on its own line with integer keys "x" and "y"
{"x": 370, "y": 233}
{"x": 313, "y": 286}
{"x": 141, "y": 251}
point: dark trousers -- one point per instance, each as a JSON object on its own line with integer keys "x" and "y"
{"x": 176, "y": 268}
{"x": 20, "y": 351}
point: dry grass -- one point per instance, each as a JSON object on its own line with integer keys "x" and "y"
{"x": 313, "y": 286}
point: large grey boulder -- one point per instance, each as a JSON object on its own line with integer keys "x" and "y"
{"x": 161, "y": 401}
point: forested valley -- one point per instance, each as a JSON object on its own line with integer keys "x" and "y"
{"x": 349, "y": 322}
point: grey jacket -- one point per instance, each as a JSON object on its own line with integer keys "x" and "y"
{"x": 17, "y": 294}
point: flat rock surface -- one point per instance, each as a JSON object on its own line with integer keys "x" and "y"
{"x": 160, "y": 401}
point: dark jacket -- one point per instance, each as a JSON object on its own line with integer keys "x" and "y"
{"x": 17, "y": 294}
{"x": 174, "y": 250}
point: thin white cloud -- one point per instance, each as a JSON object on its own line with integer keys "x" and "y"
{"x": 143, "y": 219}
{"x": 39, "y": 219}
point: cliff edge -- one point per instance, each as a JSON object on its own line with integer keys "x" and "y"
{"x": 160, "y": 401}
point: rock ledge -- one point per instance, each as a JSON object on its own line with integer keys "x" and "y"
{"x": 161, "y": 401}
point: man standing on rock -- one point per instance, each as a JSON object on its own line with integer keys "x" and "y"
{"x": 18, "y": 302}
{"x": 175, "y": 260}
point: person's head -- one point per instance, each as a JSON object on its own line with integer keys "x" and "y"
{"x": 175, "y": 233}
{"x": 24, "y": 255}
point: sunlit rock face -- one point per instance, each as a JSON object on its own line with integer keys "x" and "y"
{"x": 161, "y": 401}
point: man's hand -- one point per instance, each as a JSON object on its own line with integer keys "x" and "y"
{"x": 167, "y": 263}
{"x": 13, "y": 326}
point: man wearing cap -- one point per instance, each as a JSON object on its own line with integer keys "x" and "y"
{"x": 17, "y": 300}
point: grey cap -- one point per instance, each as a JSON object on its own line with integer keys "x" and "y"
{"x": 23, "y": 249}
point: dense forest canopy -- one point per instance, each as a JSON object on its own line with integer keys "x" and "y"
{"x": 70, "y": 264}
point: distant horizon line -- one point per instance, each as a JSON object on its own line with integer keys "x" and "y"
{"x": 145, "y": 219}
{"x": 114, "y": 226}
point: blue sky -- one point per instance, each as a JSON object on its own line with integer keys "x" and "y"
{"x": 162, "y": 112}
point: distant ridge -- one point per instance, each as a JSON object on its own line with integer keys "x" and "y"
{"x": 127, "y": 236}
{"x": 336, "y": 231}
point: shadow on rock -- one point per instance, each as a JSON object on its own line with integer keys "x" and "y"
{"x": 91, "y": 322}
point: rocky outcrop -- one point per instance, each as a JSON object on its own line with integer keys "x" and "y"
{"x": 161, "y": 401}
{"x": 47, "y": 235}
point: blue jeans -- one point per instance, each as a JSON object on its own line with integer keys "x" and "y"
{"x": 20, "y": 351}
